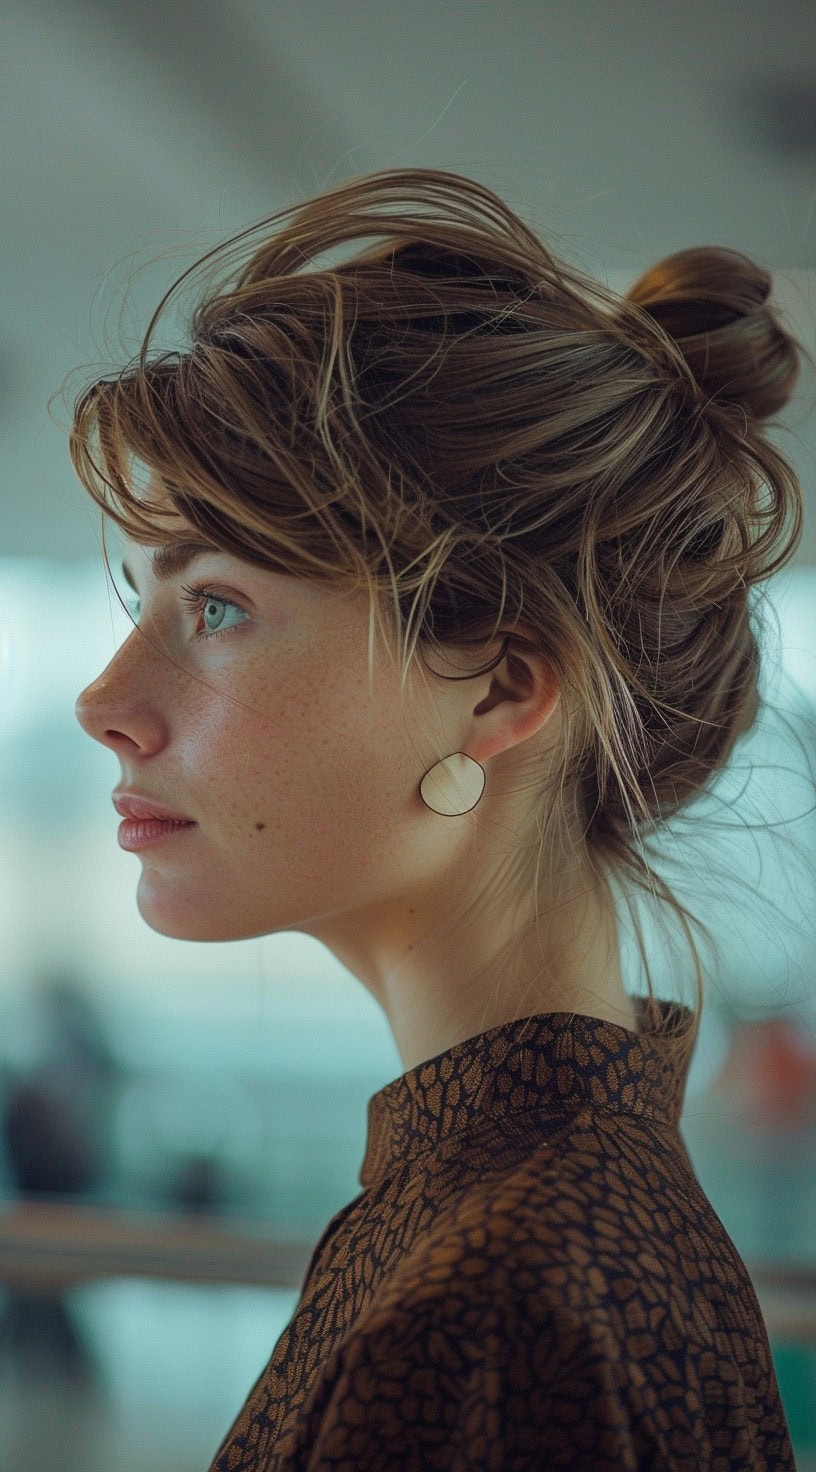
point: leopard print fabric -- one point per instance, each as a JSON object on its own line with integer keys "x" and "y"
{"x": 531, "y": 1278}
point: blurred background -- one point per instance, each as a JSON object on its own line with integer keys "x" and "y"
{"x": 178, "y": 1122}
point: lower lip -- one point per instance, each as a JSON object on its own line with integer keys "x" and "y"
{"x": 137, "y": 833}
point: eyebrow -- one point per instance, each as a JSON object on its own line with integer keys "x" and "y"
{"x": 171, "y": 560}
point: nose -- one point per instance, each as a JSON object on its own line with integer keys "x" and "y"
{"x": 87, "y": 711}
{"x": 114, "y": 711}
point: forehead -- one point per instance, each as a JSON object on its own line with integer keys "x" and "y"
{"x": 166, "y": 559}
{"x": 172, "y": 522}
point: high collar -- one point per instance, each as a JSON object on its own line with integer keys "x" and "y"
{"x": 555, "y": 1062}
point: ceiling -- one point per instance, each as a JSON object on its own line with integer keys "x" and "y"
{"x": 136, "y": 136}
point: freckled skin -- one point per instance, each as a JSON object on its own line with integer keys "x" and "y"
{"x": 278, "y": 713}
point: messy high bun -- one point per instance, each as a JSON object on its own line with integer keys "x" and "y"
{"x": 715, "y": 510}
{"x": 715, "y": 304}
{"x": 488, "y": 439}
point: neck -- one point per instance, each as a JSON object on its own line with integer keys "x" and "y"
{"x": 459, "y": 980}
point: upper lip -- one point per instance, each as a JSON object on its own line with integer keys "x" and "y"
{"x": 138, "y": 805}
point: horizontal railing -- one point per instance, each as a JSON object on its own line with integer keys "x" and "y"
{"x": 49, "y": 1246}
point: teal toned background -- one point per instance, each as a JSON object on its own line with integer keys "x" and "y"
{"x": 226, "y": 1085}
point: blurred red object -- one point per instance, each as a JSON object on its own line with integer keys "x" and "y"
{"x": 770, "y": 1075}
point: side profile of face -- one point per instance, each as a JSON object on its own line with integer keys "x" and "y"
{"x": 253, "y": 717}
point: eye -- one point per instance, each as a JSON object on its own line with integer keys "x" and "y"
{"x": 205, "y": 601}
{"x": 202, "y": 600}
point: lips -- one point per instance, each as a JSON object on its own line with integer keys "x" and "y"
{"x": 135, "y": 805}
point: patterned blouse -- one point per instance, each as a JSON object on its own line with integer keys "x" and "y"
{"x": 531, "y": 1278}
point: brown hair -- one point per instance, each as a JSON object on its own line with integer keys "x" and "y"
{"x": 458, "y": 419}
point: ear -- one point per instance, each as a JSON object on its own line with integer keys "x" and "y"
{"x": 523, "y": 694}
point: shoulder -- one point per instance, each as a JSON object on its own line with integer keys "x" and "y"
{"x": 499, "y": 1277}
{"x": 456, "y": 1366}
{"x": 548, "y": 1254}
{"x": 530, "y": 1324}
{"x": 530, "y": 1240}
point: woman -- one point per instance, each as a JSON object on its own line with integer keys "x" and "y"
{"x": 473, "y": 539}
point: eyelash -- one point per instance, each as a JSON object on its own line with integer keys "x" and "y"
{"x": 197, "y": 597}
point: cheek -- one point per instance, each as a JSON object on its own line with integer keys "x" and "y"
{"x": 317, "y": 761}
{"x": 307, "y": 810}
{"x": 345, "y": 780}
{"x": 341, "y": 772}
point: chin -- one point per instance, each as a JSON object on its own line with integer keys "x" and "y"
{"x": 169, "y": 914}
{"x": 166, "y": 921}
